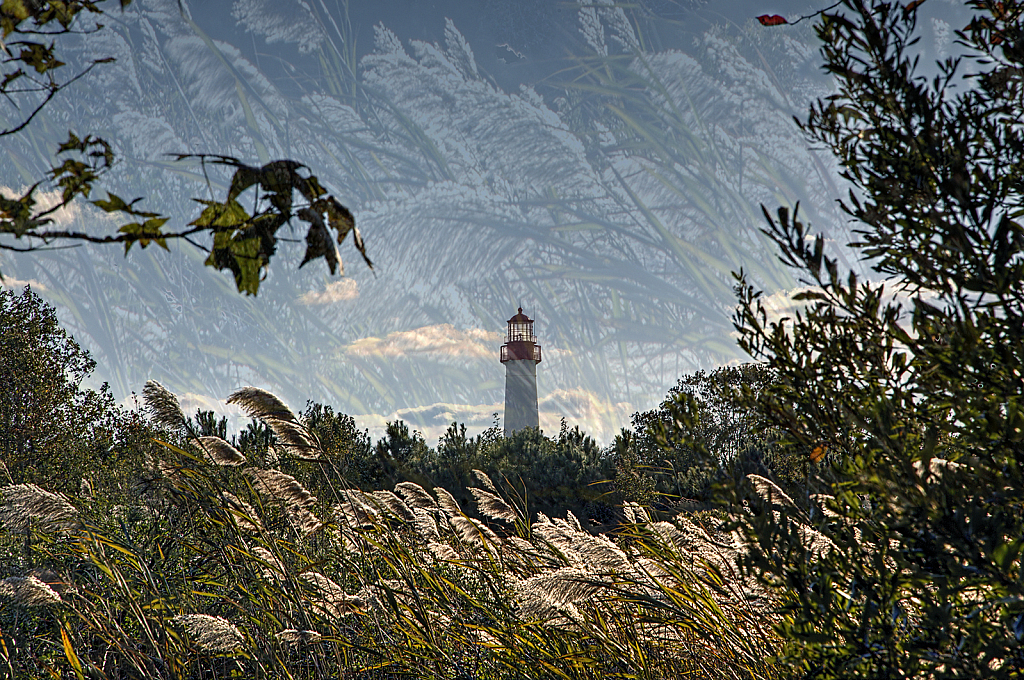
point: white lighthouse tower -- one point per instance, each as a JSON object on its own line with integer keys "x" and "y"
{"x": 520, "y": 354}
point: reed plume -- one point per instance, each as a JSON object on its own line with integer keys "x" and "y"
{"x": 28, "y": 591}
{"x": 163, "y": 406}
{"x": 396, "y": 505}
{"x": 210, "y": 634}
{"x": 425, "y": 525}
{"x": 244, "y": 514}
{"x": 492, "y": 505}
{"x": 291, "y": 435}
{"x": 447, "y": 501}
{"x": 416, "y": 496}
{"x": 25, "y": 504}
{"x": 218, "y": 451}
{"x": 482, "y": 477}
{"x": 333, "y": 601}
{"x": 270, "y": 567}
{"x": 297, "y": 638}
{"x": 278, "y": 486}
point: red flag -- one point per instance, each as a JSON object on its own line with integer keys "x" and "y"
{"x": 772, "y": 20}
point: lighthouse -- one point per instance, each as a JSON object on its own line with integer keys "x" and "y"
{"x": 520, "y": 354}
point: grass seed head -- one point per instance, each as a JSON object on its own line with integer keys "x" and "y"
{"x": 769, "y": 491}
{"x": 163, "y": 406}
{"x": 493, "y": 506}
{"x": 297, "y": 638}
{"x": 416, "y": 496}
{"x": 210, "y": 634}
{"x": 276, "y": 485}
{"x": 218, "y": 451}
{"x": 28, "y": 591}
{"x": 25, "y": 505}
{"x": 447, "y": 501}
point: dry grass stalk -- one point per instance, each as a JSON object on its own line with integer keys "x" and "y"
{"x": 28, "y": 591}
{"x": 210, "y": 634}
{"x": 491, "y": 505}
{"x": 416, "y": 496}
{"x": 25, "y": 504}
{"x": 163, "y": 406}
{"x": 218, "y": 451}
{"x": 276, "y": 485}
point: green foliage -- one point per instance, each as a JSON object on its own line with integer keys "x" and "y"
{"x": 702, "y": 435}
{"x": 922, "y": 504}
{"x": 52, "y": 430}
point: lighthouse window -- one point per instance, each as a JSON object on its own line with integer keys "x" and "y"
{"x": 520, "y": 332}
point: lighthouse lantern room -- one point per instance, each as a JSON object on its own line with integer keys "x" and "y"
{"x": 520, "y": 354}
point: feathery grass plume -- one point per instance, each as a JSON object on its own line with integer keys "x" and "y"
{"x": 302, "y": 520}
{"x": 163, "y": 406}
{"x": 635, "y": 514}
{"x": 447, "y": 501}
{"x": 398, "y": 507}
{"x": 28, "y": 591}
{"x": 6, "y": 473}
{"x": 277, "y": 486}
{"x": 333, "y": 600}
{"x": 218, "y": 451}
{"x": 425, "y": 525}
{"x": 415, "y": 495}
{"x": 557, "y": 538}
{"x": 297, "y": 638}
{"x": 482, "y": 477}
{"x": 491, "y": 505}
{"x": 270, "y": 567}
{"x": 443, "y": 552}
{"x": 668, "y": 533}
{"x": 473, "y": 531}
{"x": 244, "y": 514}
{"x": 290, "y": 433}
{"x": 58, "y": 583}
{"x": 210, "y": 634}
{"x": 357, "y": 509}
{"x": 85, "y": 489}
{"x": 25, "y": 504}
{"x": 769, "y": 491}
{"x": 544, "y": 595}
{"x": 601, "y": 554}
{"x": 261, "y": 404}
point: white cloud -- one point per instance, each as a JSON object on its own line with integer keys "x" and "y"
{"x": 438, "y": 340}
{"x": 336, "y": 291}
{"x": 11, "y": 282}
